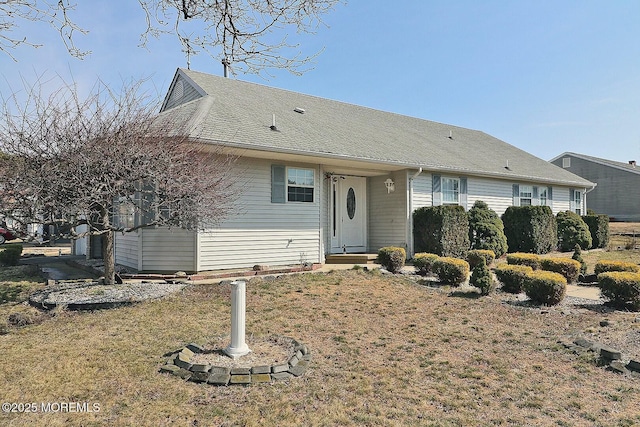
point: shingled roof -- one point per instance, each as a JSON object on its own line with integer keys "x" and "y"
{"x": 629, "y": 167}
{"x": 240, "y": 114}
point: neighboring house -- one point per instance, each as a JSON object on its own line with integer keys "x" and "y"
{"x": 616, "y": 193}
{"x": 323, "y": 177}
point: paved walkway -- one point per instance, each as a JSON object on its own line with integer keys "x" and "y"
{"x": 54, "y": 263}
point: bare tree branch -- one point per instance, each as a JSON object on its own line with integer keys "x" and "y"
{"x": 54, "y": 13}
{"x": 107, "y": 162}
{"x": 251, "y": 35}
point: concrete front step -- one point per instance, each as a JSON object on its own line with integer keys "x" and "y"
{"x": 351, "y": 259}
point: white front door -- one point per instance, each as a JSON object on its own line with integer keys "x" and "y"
{"x": 348, "y": 214}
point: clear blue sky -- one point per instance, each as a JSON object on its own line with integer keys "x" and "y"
{"x": 547, "y": 76}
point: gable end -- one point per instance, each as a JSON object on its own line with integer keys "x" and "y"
{"x": 181, "y": 92}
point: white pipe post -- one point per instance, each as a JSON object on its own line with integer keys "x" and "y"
{"x": 238, "y": 346}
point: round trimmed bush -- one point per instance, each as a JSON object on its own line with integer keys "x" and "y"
{"x": 545, "y": 287}
{"x": 392, "y": 258}
{"x": 423, "y": 262}
{"x": 621, "y": 288}
{"x": 577, "y": 255}
{"x": 569, "y": 268}
{"x": 522, "y": 258}
{"x": 572, "y": 231}
{"x": 475, "y": 256}
{"x": 512, "y": 277}
{"x": 486, "y": 230}
{"x": 605, "y": 266}
{"x": 451, "y": 271}
{"x": 482, "y": 279}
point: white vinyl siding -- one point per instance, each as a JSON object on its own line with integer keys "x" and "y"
{"x": 422, "y": 194}
{"x": 387, "y": 212}
{"x": 261, "y": 232}
{"x": 168, "y": 250}
{"x": 157, "y": 249}
{"x": 495, "y": 193}
{"x": 126, "y": 249}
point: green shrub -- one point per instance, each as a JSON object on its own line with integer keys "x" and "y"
{"x": 545, "y": 287}
{"x": 441, "y": 230}
{"x": 599, "y": 229}
{"x": 530, "y": 229}
{"x": 572, "y": 231}
{"x": 10, "y": 254}
{"x": 423, "y": 262}
{"x": 577, "y": 255}
{"x": 475, "y": 256}
{"x": 621, "y": 288}
{"x": 604, "y": 266}
{"x": 392, "y": 258}
{"x": 512, "y": 277}
{"x": 486, "y": 230}
{"x": 451, "y": 271}
{"x": 568, "y": 268}
{"x": 520, "y": 258}
{"x": 482, "y": 279}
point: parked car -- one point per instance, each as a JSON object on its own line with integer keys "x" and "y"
{"x": 6, "y": 234}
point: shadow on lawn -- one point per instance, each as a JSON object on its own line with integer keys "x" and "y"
{"x": 468, "y": 294}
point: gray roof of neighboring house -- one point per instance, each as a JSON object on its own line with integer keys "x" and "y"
{"x": 612, "y": 163}
{"x": 239, "y": 114}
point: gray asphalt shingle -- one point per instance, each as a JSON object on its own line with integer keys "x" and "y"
{"x": 240, "y": 114}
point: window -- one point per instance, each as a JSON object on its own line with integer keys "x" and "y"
{"x": 292, "y": 184}
{"x": 544, "y": 196}
{"x": 300, "y": 185}
{"x": 124, "y": 213}
{"x": 450, "y": 191}
{"x": 526, "y": 195}
{"x": 566, "y": 162}
{"x": 577, "y": 201}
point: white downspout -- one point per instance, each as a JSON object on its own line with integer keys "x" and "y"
{"x": 586, "y": 191}
{"x": 410, "y": 239}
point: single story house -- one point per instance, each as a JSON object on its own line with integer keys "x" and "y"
{"x": 616, "y": 194}
{"x": 324, "y": 177}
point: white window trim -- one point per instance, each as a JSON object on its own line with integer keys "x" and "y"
{"x": 456, "y": 192}
{"x": 288, "y": 185}
{"x": 526, "y": 193}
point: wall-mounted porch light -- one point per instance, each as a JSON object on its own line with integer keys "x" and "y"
{"x": 391, "y": 186}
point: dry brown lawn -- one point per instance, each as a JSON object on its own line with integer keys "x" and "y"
{"x": 386, "y": 350}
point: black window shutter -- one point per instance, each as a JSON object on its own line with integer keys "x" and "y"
{"x": 436, "y": 190}
{"x": 463, "y": 193}
{"x": 516, "y": 195}
{"x": 278, "y": 184}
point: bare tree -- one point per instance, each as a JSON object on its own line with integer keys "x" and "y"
{"x": 108, "y": 163}
{"x": 248, "y": 35}
{"x": 55, "y": 13}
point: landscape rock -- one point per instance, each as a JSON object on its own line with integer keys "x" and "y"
{"x": 609, "y": 353}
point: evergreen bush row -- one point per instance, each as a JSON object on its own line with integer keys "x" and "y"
{"x": 450, "y": 231}
{"x": 604, "y": 266}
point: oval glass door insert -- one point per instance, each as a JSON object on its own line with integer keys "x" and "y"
{"x": 351, "y": 203}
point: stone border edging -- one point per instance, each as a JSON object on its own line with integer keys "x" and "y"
{"x": 606, "y": 356}
{"x": 180, "y": 365}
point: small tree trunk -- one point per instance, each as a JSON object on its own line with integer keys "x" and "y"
{"x": 108, "y": 257}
